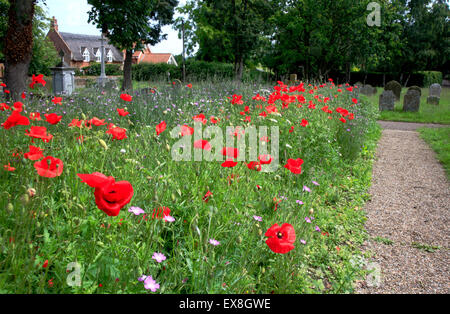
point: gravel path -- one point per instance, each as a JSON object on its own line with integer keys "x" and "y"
{"x": 407, "y": 215}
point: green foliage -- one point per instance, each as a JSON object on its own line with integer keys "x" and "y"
{"x": 431, "y": 77}
{"x": 62, "y": 224}
{"x": 4, "y": 8}
{"x": 44, "y": 55}
{"x": 95, "y": 69}
{"x": 439, "y": 141}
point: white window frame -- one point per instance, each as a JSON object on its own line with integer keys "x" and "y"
{"x": 109, "y": 56}
{"x": 98, "y": 56}
{"x": 86, "y": 55}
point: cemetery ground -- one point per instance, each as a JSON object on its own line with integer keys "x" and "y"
{"x": 427, "y": 113}
{"x": 55, "y": 238}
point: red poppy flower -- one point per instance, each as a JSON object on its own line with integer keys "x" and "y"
{"x": 161, "y": 127}
{"x": 265, "y": 159}
{"x": 35, "y": 116}
{"x": 39, "y": 132}
{"x": 110, "y": 196}
{"x": 291, "y": 129}
{"x": 23, "y": 96}
{"x": 294, "y": 165}
{"x": 206, "y": 197}
{"x": 49, "y": 167}
{"x": 9, "y": 168}
{"x": 229, "y": 164}
{"x": 200, "y": 118}
{"x": 122, "y": 112}
{"x": 280, "y": 239}
{"x": 161, "y": 212}
{"x": 202, "y": 144}
{"x": 186, "y": 130}
{"x": 117, "y": 133}
{"x": 45, "y": 264}
{"x": 4, "y": 107}
{"x": 189, "y": 85}
{"x": 230, "y": 152}
{"x": 35, "y": 153}
{"x": 254, "y": 165}
{"x": 57, "y": 100}
{"x": 248, "y": 119}
{"x": 37, "y": 80}
{"x": 15, "y": 119}
{"x": 97, "y": 122}
{"x": 343, "y": 120}
{"x": 2, "y": 84}
{"x": 271, "y": 109}
{"x": 80, "y": 123}
{"x": 263, "y": 114}
{"x": 237, "y": 100}
{"x": 304, "y": 123}
{"x": 6, "y": 91}
{"x": 214, "y": 120}
{"x": 126, "y": 97}
{"x": 53, "y": 118}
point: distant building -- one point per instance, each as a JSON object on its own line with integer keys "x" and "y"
{"x": 147, "y": 56}
{"x": 82, "y": 50}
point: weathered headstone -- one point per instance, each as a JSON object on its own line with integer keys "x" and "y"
{"x": 367, "y": 90}
{"x": 411, "y": 101}
{"x": 417, "y": 88}
{"x": 386, "y": 100}
{"x": 433, "y": 100}
{"x": 435, "y": 90}
{"x": 435, "y": 94}
{"x": 63, "y": 82}
{"x": 359, "y": 84}
{"x": 395, "y": 87}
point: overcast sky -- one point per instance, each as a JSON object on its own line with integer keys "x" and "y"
{"x": 73, "y": 18}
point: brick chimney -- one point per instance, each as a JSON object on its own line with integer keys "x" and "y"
{"x": 54, "y": 24}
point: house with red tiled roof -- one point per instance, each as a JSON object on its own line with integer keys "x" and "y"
{"x": 147, "y": 56}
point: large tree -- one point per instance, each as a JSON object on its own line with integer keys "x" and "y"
{"x": 18, "y": 46}
{"x": 227, "y": 31}
{"x": 129, "y": 24}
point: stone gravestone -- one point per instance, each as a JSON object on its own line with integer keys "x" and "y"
{"x": 367, "y": 90}
{"x": 292, "y": 79}
{"x": 435, "y": 94}
{"x": 411, "y": 101}
{"x": 63, "y": 78}
{"x": 386, "y": 100}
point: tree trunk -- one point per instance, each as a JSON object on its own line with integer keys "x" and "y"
{"x": 19, "y": 46}
{"x": 127, "y": 75}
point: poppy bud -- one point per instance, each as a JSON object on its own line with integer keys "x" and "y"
{"x": 260, "y": 232}
{"x": 9, "y": 207}
{"x": 83, "y": 116}
{"x": 263, "y": 270}
{"x": 168, "y": 147}
{"x": 103, "y": 144}
{"x": 173, "y": 197}
{"x": 311, "y": 211}
{"x": 239, "y": 240}
{"x": 31, "y": 192}
{"x": 25, "y": 199}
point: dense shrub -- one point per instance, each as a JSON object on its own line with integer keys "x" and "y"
{"x": 95, "y": 69}
{"x": 421, "y": 79}
{"x": 196, "y": 71}
{"x": 431, "y": 77}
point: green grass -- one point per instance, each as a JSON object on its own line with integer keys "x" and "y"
{"x": 439, "y": 140}
{"x": 427, "y": 113}
{"x": 62, "y": 224}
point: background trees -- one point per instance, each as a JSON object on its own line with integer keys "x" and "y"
{"x": 130, "y": 24}
{"x": 316, "y": 37}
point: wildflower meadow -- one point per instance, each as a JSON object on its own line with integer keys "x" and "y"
{"x": 95, "y": 200}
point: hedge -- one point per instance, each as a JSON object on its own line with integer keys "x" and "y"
{"x": 95, "y": 69}
{"x": 422, "y": 78}
{"x": 195, "y": 71}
